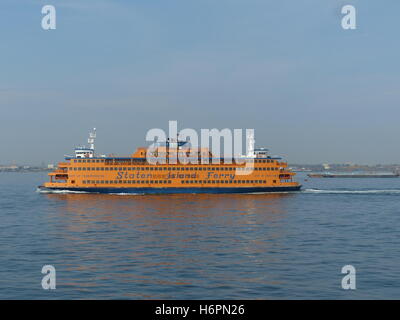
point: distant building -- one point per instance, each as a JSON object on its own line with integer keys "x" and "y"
{"x": 326, "y": 166}
{"x": 50, "y": 166}
{"x": 11, "y": 167}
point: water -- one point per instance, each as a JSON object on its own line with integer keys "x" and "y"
{"x": 255, "y": 246}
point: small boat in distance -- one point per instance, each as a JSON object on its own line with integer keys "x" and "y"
{"x": 88, "y": 172}
{"x": 354, "y": 175}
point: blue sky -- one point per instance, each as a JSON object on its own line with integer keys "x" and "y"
{"x": 312, "y": 91}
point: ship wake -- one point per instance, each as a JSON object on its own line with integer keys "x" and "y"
{"x": 59, "y": 191}
{"x": 350, "y": 191}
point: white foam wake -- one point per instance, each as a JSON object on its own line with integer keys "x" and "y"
{"x": 126, "y": 194}
{"x": 370, "y": 191}
{"x": 83, "y": 192}
{"x": 59, "y": 191}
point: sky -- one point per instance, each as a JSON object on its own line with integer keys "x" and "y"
{"x": 312, "y": 91}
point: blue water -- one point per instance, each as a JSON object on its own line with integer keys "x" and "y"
{"x": 269, "y": 246}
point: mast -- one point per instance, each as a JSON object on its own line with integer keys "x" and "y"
{"x": 91, "y": 140}
{"x": 250, "y": 143}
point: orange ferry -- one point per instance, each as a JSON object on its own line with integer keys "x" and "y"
{"x": 86, "y": 172}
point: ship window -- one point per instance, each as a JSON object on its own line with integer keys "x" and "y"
{"x": 169, "y": 181}
{"x": 264, "y": 181}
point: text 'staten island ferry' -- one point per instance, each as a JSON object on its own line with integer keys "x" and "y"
{"x": 86, "y": 172}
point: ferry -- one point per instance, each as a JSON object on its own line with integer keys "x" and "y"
{"x": 256, "y": 172}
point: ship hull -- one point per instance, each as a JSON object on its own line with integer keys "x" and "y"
{"x": 175, "y": 190}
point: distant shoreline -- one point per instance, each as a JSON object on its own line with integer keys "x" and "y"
{"x": 26, "y": 170}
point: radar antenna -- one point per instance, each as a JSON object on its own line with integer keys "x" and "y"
{"x": 92, "y": 137}
{"x": 250, "y": 143}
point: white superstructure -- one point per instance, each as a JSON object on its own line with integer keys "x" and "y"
{"x": 87, "y": 152}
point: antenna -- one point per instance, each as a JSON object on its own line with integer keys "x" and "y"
{"x": 92, "y": 137}
{"x": 250, "y": 143}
